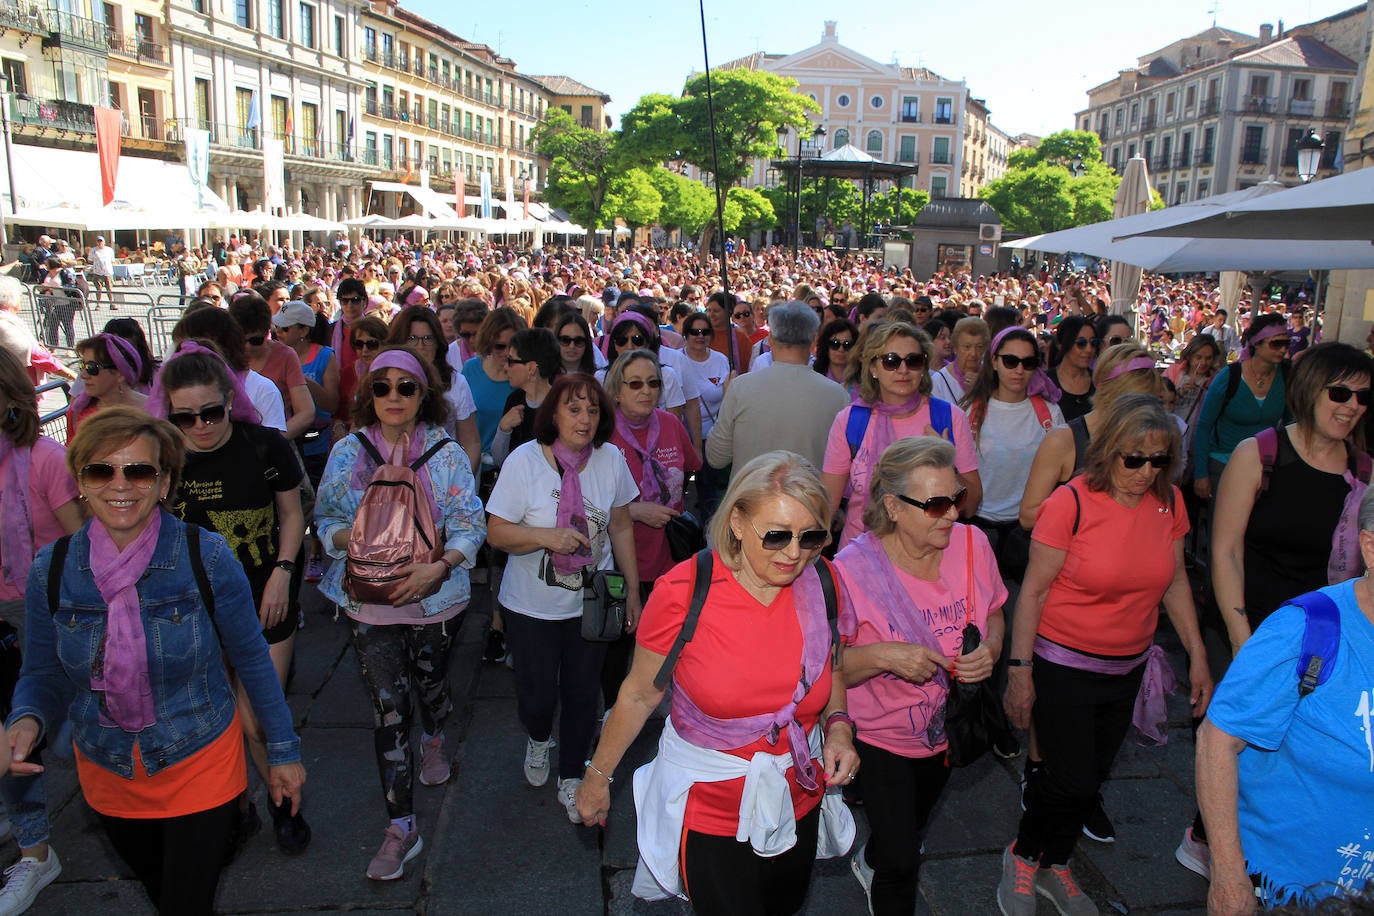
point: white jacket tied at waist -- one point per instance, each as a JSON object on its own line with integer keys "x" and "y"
{"x": 766, "y": 817}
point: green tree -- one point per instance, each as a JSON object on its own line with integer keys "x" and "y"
{"x": 834, "y": 198}
{"x": 1039, "y": 193}
{"x": 746, "y": 209}
{"x": 631, "y": 196}
{"x": 584, "y": 165}
{"x": 687, "y": 205}
{"x": 883, "y": 207}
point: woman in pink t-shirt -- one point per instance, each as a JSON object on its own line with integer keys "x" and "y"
{"x": 914, "y": 580}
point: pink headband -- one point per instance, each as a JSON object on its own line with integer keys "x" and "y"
{"x": 1040, "y": 385}
{"x": 1274, "y": 330}
{"x": 406, "y": 362}
{"x": 1130, "y": 365}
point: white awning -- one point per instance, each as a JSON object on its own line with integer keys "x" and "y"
{"x": 435, "y": 205}
{"x": 47, "y": 177}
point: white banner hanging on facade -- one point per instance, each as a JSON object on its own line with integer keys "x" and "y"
{"x": 486, "y": 194}
{"x": 274, "y": 174}
{"x": 510, "y": 197}
{"x": 198, "y": 161}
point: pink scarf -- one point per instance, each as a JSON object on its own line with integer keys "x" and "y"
{"x": 653, "y": 476}
{"x": 124, "y": 677}
{"x": 572, "y": 513}
{"x": 16, "y": 536}
{"x": 881, "y": 433}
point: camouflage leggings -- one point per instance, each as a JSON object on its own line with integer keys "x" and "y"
{"x": 396, "y": 661}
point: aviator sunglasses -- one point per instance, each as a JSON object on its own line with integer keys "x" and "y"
{"x": 102, "y": 474}
{"x": 780, "y": 538}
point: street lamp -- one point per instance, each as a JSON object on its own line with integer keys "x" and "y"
{"x": 1309, "y": 155}
{"x": 1076, "y": 167}
{"x": 796, "y": 227}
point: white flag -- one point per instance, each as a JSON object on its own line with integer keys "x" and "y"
{"x": 274, "y": 174}
{"x": 198, "y": 161}
{"x": 486, "y": 194}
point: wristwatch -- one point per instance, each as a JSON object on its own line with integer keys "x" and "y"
{"x": 288, "y": 565}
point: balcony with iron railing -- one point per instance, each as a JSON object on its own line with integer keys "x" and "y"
{"x": 1260, "y": 104}
{"x": 135, "y": 46}
{"x": 1162, "y": 164}
{"x": 26, "y": 17}
{"x": 1205, "y": 158}
{"x": 1209, "y": 107}
{"x": 1338, "y": 111}
{"x": 69, "y": 31}
{"x": 1183, "y": 160}
{"x": 1303, "y": 108}
{"x": 32, "y": 114}
{"x": 941, "y": 159}
{"x": 1148, "y": 122}
{"x": 1254, "y": 155}
{"x": 236, "y": 136}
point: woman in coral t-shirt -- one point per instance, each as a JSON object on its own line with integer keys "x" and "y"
{"x": 1106, "y": 551}
{"x": 739, "y": 709}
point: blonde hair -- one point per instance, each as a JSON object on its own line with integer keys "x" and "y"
{"x": 777, "y": 473}
{"x": 873, "y": 343}
{"x": 1137, "y": 382}
{"x": 892, "y": 471}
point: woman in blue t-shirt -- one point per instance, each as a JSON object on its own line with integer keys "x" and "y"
{"x": 486, "y": 372}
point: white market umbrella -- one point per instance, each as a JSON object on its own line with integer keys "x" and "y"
{"x": 1132, "y": 198}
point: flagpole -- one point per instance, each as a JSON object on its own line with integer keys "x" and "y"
{"x": 9, "y": 160}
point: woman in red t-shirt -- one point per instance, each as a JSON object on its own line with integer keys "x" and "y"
{"x": 1106, "y": 551}
{"x": 738, "y": 707}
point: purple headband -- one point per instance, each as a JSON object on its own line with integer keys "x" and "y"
{"x": 1130, "y": 365}
{"x": 241, "y": 409}
{"x": 127, "y": 363}
{"x": 1040, "y": 385}
{"x": 1274, "y": 330}
{"x": 406, "y": 362}
{"x": 633, "y": 318}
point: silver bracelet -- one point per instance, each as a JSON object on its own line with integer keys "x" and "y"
{"x": 588, "y": 764}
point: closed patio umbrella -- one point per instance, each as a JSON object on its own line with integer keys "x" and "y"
{"x": 1132, "y": 197}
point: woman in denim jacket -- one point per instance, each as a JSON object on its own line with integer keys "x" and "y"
{"x": 135, "y": 653}
{"x": 403, "y": 646}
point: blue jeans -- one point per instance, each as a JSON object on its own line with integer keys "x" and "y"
{"x": 26, "y": 797}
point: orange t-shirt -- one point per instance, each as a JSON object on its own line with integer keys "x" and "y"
{"x": 1105, "y": 600}
{"x": 721, "y": 344}
{"x": 742, "y": 661}
{"x": 207, "y": 779}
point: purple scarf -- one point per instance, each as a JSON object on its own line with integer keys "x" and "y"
{"x": 865, "y": 561}
{"x": 728, "y": 734}
{"x": 1151, "y": 715}
{"x": 881, "y": 432}
{"x": 363, "y": 466}
{"x": 124, "y": 675}
{"x": 241, "y": 410}
{"x": 16, "y": 536}
{"x": 572, "y": 513}
{"x": 653, "y": 476}
{"x": 127, "y": 363}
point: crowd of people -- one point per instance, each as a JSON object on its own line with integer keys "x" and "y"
{"x": 942, "y": 471}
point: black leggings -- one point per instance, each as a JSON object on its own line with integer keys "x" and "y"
{"x": 395, "y": 661}
{"x": 177, "y": 859}
{"x": 724, "y": 877}
{"x": 1080, "y": 720}
{"x": 899, "y": 793}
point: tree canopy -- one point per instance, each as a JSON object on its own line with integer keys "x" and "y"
{"x": 1040, "y": 194}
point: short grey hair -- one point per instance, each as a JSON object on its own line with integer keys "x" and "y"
{"x": 11, "y": 293}
{"x": 1367, "y": 510}
{"x": 793, "y": 324}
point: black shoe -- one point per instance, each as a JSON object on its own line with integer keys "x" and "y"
{"x": 246, "y": 826}
{"x": 293, "y": 833}
{"x": 1033, "y": 770}
{"x": 496, "y": 647}
{"x": 1006, "y": 746}
{"x": 1097, "y": 826}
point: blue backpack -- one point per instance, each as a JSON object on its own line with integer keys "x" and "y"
{"x": 941, "y": 420}
{"x": 1321, "y": 641}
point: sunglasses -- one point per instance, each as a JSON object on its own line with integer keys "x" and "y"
{"x": 634, "y": 384}
{"x": 780, "y": 538}
{"x": 1083, "y": 343}
{"x": 257, "y": 340}
{"x": 467, "y": 335}
{"x": 366, "y": 345}
{"x": 633, "y": 340}
{"x": 421, "y": 339}
{"x": 1277, "y": 343}
{"x": 836, "y": 343}
{"x": 1339, "y": 394}
{"x": 406, "y": 388}
{"x": 1115, "y": 339}
{"x": 186, "y": 419}
{"x": 1031, "y": 363}
{"x": 500, "y": 347}
{"x": 102, "y": 474}
{"x": 92, "y": 368}
{"x": 1136, "y": 462}
{"x": 741, "y": 316}
{"x": 937, "y": 506}
{"x": 517, "y": 361}
{"x": 913, "y": 361}
{"x": 578, "y": 341}
{"x": 699, "y": 332}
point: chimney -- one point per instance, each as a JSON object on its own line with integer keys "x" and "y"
{"x": 830, "y": 31}
{"x": 1266, "y": 33}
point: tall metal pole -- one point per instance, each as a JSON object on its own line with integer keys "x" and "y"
{"x": 9, "y": 157}
{"x": 796, "y": 227}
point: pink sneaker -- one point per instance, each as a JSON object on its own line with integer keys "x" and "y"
{"x": 1194, "y": 855}
{"x": 435, "y": 767}
{"x": 397, "y": 849}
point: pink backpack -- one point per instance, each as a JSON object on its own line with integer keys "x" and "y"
{"x": 393, "y": 527}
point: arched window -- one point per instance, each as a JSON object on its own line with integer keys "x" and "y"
{"x": 875, "y": 142}
{"x": 841, "y": 137}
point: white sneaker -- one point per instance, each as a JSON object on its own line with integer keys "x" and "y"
{"x": 864, "y": 872}
{"x": 537, "y": 762}
{"x": 24, "y": 879}
{"x": 567, "y": 794}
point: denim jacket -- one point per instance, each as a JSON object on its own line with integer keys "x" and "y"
{"x": 462, "y": 524}
{"x": 191, "y": 693}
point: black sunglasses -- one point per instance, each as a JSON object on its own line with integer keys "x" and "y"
{"x": 837, "y": 343}
{"x": 1115, "y": 339}
{"x": 634, "y": 384}
{"x": 500, "y": 347}
{"x": 699, "y": 332}
{"x": 1082, "y": 342}
{"x": 633, "y": 340}
{"x": 1136, "y": 462}
{"x": 517, "y": 361}
{"x": 891, "y": 361}
{"x": 367, "y": 344}
{"x": 102, "y": 474}
{"x": 185, "y": 419}
{"x": 568, "y": 341}
{"x": 779, "y": 538}
{"x": 406, "y": 388}
{"x": 739, "y": 316}
{"x": 937, "y": 506}
{"x": 257, "y": 340}
{"x": 1011, "y": 362}
{"x": 357, "y": 300}
{"x": 1339, "y": 394}
{"x": 92, "y": 368}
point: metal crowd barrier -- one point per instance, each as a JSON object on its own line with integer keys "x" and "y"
{"x": 160, "y": 321}
{"x": 45, "y": 311}
{"x": 54, "y": 422}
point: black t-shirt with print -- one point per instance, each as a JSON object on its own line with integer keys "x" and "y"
{"x": 228, "y": 491}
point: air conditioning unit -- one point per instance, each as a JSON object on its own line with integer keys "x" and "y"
{"x": 989, "y": 232}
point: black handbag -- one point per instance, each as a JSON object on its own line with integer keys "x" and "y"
{"x": 974, "y": 717}
{"x": 603, "y": 606}
{"x": 685, "y": 536}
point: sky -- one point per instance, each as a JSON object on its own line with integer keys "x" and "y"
{"x": 1032, "y": 62}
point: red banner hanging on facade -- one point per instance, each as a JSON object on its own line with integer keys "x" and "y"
{"x": 107, "y": 130}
